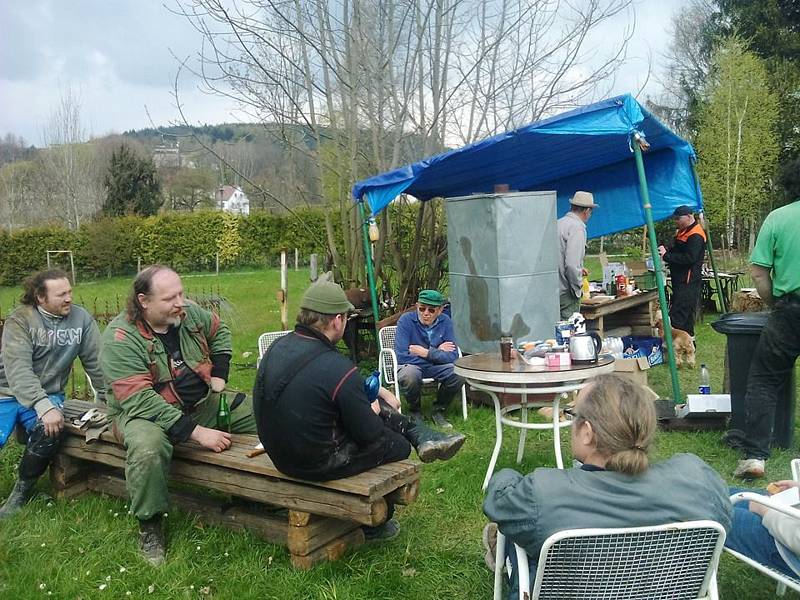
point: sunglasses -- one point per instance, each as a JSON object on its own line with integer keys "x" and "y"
{"x": 427, "y": 309}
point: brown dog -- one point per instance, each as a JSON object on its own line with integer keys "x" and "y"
{"x": 681, "y": 342}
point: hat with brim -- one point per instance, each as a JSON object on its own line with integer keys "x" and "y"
{"x": 430, "y": 297}
{"x": 327, "y": 298}
{"x": 683, "y": 211}
{"x": 584, "y": 200}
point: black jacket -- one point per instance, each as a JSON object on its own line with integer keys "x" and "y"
{"x": 685, "y": 258}
{"x": 321, "y": 408}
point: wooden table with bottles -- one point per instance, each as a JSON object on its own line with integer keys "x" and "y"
{"x": 637, "y": 312}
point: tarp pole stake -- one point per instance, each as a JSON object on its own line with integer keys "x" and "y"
{"x": 662, "y": 296}
{"x": 368, "y": 260}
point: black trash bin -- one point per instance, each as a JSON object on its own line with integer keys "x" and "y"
{"x": 743, "y": 331}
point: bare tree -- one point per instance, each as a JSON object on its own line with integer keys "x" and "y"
{"x": 361, "y": 87}
{"x": 73, "y": 194}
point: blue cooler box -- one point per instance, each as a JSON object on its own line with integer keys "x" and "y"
{"x": 643, "y": 346}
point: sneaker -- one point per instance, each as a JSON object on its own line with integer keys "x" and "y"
{"x": 440, "y": 421}
{"x": 152, "y": 544}
{"x": 750, "y": 468}
{"x": 490, "y": 543}
{"x": 386, "y": 531}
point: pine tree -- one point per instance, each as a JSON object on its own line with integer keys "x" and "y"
{"x": 131, "y": 185}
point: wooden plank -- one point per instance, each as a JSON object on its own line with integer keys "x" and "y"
{"x": 367, "y": 484}
{"x": 334, "y": 550}
{"x": 65, "y": 470}
{"x": 302, "y": 541}
{"x": 288, "y": 494}
{"x": 593, "y": 312}
{"x": 404, "y": 495}
{"x": 272, "y": 528}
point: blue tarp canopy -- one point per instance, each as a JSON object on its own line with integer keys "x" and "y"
{"x": 584, "y": 149}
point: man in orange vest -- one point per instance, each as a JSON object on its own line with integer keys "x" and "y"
{"x": 685, "y": 260}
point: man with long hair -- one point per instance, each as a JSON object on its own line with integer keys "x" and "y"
{"x": 166, "y": 361}
{"x": 41, "y": 340}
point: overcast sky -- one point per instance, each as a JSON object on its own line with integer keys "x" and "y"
{"x": 118, "y": 57}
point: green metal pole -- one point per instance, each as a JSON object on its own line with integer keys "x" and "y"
{"x": 368, "y": 259}
{"x": 662, "y": 296}
{"x": 710, "y": 247}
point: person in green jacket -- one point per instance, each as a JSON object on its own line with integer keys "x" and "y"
{"x": 166, "y": 361}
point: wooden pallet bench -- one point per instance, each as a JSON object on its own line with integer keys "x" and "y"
{"x": 317, "y": 521}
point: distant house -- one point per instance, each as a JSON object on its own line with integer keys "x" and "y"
{"x": 232, "y": 199}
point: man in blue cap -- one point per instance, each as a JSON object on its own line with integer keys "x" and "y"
{"x": 425, "y": 345}
{"x": 685, "y": 260}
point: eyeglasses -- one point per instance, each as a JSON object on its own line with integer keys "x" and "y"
{"x": 571, "y": 413}
{"x": 427, "y": 309}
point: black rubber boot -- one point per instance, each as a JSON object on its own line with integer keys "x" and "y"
{"x": 152, "y": 544}
{"x": 432, "y": 445}
{"x": 429, "y": 444}
{"x": 20, "y": 494}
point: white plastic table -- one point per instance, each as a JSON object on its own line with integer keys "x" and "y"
{"x": 487, "y": 372}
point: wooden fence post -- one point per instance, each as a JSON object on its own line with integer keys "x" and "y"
{"x": 313, "y": 267}
{"x": 284, "y": 293}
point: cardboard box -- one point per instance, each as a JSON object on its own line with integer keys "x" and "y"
{"x": 705, "y": 405}
{"x": 634, "y": 369}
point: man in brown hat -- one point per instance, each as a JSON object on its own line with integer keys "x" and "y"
{"x": 312, "y": 410}
{"x": 572, "y": 244}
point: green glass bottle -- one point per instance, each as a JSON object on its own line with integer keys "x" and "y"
{"x": 224, "y": 414}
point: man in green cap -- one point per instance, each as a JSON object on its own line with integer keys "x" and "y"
{"x": 425, "y": 345}
{"x": 312, "y": 411}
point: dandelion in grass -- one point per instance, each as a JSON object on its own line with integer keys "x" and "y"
{"x": 439, "y": 490}
{"x": 42, "y": 586}
{"x": 108, "y": 578}
{"x": 226, "y": 554}
{"x": 122, "y": 569}
{"x": 43, "y": 544}
{"x": 116, "y": 514}
{"x": 151, "y": 588}
{"x": 127, "y": 593}
{"x": 198, "y": 548}
{"x": 81, "y": 550}
{"x": 102, "y": 586}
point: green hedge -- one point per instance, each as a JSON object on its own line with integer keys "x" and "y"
{"x": 188, "y": 241}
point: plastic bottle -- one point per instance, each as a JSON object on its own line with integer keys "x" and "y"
{"x": 372, "y": 385}
{"x": 705, "y": 380}
{"x": 585, "y": 288}
{"x": 224, "y": 414}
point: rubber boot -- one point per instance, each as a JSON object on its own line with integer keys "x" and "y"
{"x": 20, "y": 494}
{"x": 430, "y": 444}
{"x": 152, "y": 544}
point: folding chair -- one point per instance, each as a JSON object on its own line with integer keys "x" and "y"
{"x": 676, "y": 561}
{"x": 387, "y": 364}
{"x": 783, "y": 580}
{"x": 265, "y": 340}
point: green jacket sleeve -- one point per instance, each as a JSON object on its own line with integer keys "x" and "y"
{"x": 18, "y": 362}
{"x": 125, "y": 367}
{"x": 90, "y": 358}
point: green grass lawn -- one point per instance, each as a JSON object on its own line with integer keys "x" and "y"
{"x": 86, "y": 547}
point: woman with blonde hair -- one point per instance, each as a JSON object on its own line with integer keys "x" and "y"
{"x": 613, "y": 428}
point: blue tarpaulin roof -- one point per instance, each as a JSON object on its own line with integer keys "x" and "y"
{"x": 584, "y": 149}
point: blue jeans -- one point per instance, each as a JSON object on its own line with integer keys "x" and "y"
{"x": 748, "y": 536}
{"x": 513, "y": 580}
{"x": 12, "y": 412}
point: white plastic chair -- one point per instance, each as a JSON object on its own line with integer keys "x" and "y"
{"x": 265, "y": 340}
{"x": 783, "y": 580}
{"x": 676, "y": 560}
{"x": 387, "y": 364}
